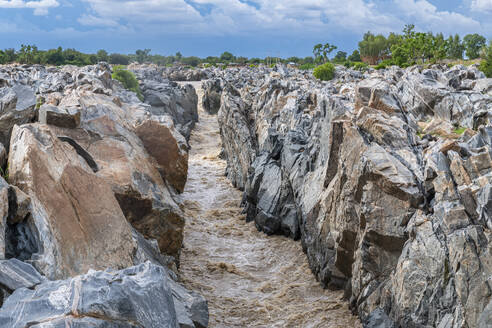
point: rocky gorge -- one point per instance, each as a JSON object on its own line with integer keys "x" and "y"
{"x": 384, "y": 176}
{"x": 127, "y": 212}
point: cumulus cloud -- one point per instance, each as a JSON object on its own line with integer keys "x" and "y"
{"x": 426, "y": 16}
{"x": 40, "y": 7}
{"x": 240, "y": 17}
{"x": 481, "y": 5}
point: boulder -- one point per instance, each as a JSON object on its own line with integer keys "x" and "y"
{"x": 17, "y": 106}
{"x": 59, "y": 116}
{"x": 76, "y": 223}
{"x": 168, "y": 147}
{"x": 138, "y": 296}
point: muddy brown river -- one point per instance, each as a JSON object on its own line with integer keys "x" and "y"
{"x": 248, "y": 278}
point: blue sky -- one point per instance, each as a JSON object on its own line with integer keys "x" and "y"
{"x": 252, "y": 28}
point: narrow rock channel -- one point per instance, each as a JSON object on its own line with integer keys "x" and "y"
{"x": 248, "y": 278}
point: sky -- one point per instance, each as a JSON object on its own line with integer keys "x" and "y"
{"x": 251, "y": 28}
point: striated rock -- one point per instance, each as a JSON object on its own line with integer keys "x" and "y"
{"x": 15, "y": 274}
{"x": 76, "y": 222}
{"x": 139, "y": 296}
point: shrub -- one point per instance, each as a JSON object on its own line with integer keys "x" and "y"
{"x": 324, "y": 72}
{"x": 307, "y": 66}
{"x": 486, "y": 65}
{"x": 128, "y": 80}
{"x": 360, "y": 66}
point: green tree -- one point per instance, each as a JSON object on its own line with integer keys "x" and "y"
{"x": 191, "y": 61}
{"x": 340, "y": 57}
{"x": 53, "y": 57}
{"x": 355, "y": 56}
{"x": 374, "y": 48}
{"x": 473, "y": 44}
{"x": 102, "y": 56}
{"x": 227, "y": 57}
{"x": 142, "y": 55}
{"x": 118, "y": 59}
{"x": 455, "y": 47}
{"x": 486, "y": 64}
{"x": 322, "y": 51}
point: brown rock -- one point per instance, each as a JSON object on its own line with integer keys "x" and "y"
{"x": 78, "y": 219}
{"x": 169, "y": 149}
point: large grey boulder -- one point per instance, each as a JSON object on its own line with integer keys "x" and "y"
{"x": 17, "y": 106}
{"x": 139, "y": 296}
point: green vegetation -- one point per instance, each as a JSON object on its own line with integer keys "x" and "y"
{"x": 5, "y": 172}
{"x": 459, "y": 130}
{"x": 486, "y": 65}
{"x": 128, "y": 80}
{"x": 307, "y": 66}
{"x": 360, "y": 66}
{"x": 324, "y": 72}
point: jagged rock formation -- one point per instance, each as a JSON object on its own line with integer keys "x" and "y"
{"x": 92, "y": 183}
{"x": 167, "y": 98}
{"x": 397, "y": 217}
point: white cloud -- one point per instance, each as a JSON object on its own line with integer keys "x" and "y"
{"x": 481, "y": 5}
{"x": 276, "y": 17}
{"x": 235, "y": 16}
{"x": 426, "y": 16}
{"x": 40, "y": 7}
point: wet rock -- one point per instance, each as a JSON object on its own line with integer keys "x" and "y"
{"x": 191, "y": 308}
{"x": 139, "y": 296}
{"x": 76, "y": 221}
{"x": 270, "y": 199}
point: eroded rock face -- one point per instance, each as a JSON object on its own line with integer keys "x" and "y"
{"x": 77, "y": 220}
{"x": 383, "y": 210}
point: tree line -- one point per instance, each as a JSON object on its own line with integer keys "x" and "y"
{"x": 30, "y": 54}
{"x": 401, "y": 49}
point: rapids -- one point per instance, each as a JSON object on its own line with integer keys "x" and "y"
{"x": 248, "y": 278}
